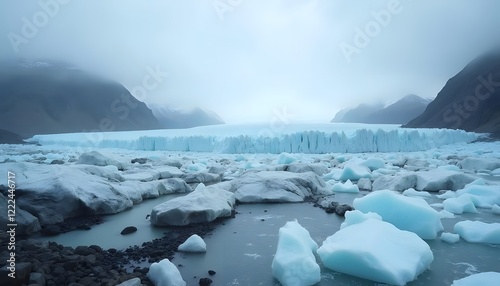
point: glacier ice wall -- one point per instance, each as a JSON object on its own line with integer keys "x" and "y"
{"x": 302, "y": 139}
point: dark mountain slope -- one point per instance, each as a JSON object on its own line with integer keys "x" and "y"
{"x": 470, "y": 100}
{"x": 49, "y": 97}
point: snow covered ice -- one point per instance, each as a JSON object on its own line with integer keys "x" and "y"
{"x": 393, "y": 256}
{"x": 294, "y": 263}
{"x": 406, "y": 213}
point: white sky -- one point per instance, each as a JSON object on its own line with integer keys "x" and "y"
{"x": 261, "y": 56}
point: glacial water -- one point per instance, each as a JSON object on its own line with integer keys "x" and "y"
{"x": 241, "y": 250}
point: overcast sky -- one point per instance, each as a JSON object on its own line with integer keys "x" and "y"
{"x": 248, "y": 59}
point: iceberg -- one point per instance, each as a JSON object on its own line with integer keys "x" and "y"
{"x": 391, "y": 256}
{"x": 164, "y": 273}
{"x": 406, "y": 213}
{"x": 294, "y": 263}
{"x": 294, "y": 138}
{"x": 478, "y": 231}
{"x": 347, "y": 187}
{"x": 483, "y": 279}
{"x": 193, "y": 244}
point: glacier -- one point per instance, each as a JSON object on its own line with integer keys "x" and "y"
{"x": 255, "y": 138}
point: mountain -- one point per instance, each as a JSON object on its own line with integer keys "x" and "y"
{"x": 470, "y": 100}
{"x": 358, "y": 114}
{"x": 43, "y": 97}
{"x": 170, "y": 117}
{"x": 400, "y": 112}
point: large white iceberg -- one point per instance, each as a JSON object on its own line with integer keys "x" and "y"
{"x": 164, "y": 273}
{"x": 406, "y": 213}
{"x": 378, "y": 251}
{"x": 294, "y": 263}
{"x": 478, "y": 231}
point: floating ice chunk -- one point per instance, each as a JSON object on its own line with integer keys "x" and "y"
{"x": 277, "y": 186}
{"x": 440, "y": 179}
{"x": 167, "y": 172}
{"x": 98, "y": 159}
{"x": 482, "y": 196}
{"x": 483, "y": 279}
{"x": 399, "y": 182}
{"x": 495, "y": 209}
{"x": 193, "y": 244}
{"x": 354, "y": 172}
{"x": 478, "y": 231}
{"x": 475, "y": 164}
{"x": 406, "y": 213}
{"x": 204, "y": 204}
{"x": 365, "y": 184}
{"x": 355, "y": 216}
{"x": 294, "y": 263}
{"x": 450, "y": 237}
{"x": 450, "y": 168}
{"x": 164, "y": 273}
{"x": 393, "y": 256}
{"x": 459, "y": 205}
{"x": 411, "y": 192}
{"x": 347, "y": 187}
{"x": 495, "y": 172}
{"x": 446, "y": 214}
{"x": 373, "y": 163}
{"x": 286, "y": 158}
{"x": 447, "y": 195}
{"x": 317, "y": 168}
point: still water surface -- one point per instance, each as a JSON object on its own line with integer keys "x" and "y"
{"x": 241, "y": 250}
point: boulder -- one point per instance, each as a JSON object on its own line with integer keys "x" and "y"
{"x": 128, "y": 230}
{"x": 26, "y": 223}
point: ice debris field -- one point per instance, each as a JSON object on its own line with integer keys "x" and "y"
{"x": 400, "y": 204}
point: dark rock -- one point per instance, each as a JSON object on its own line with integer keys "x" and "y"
{"x": 140, "y": 160}
{"x": 211, "y": 272}
{"x": 205, "y": 281}
{"x": 51, "y": 230}
{"x": 128, "y": 230}
{"x": 37, "y": 278}
{"x": 342, "y": 209}
{"x": 90, "y": 281}
{"x": 91, "y": 259}
{"x": 82, "y": 250}
{"x": 71, "y": 265}
{"x": 57, "y": 162}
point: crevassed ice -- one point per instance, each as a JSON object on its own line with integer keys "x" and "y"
{"x": 298, "y": 138}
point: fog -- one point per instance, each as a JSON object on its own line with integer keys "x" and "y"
{"x": 252, "y": 60}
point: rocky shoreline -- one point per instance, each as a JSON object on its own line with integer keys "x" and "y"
{"x": 51, "y": 264}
